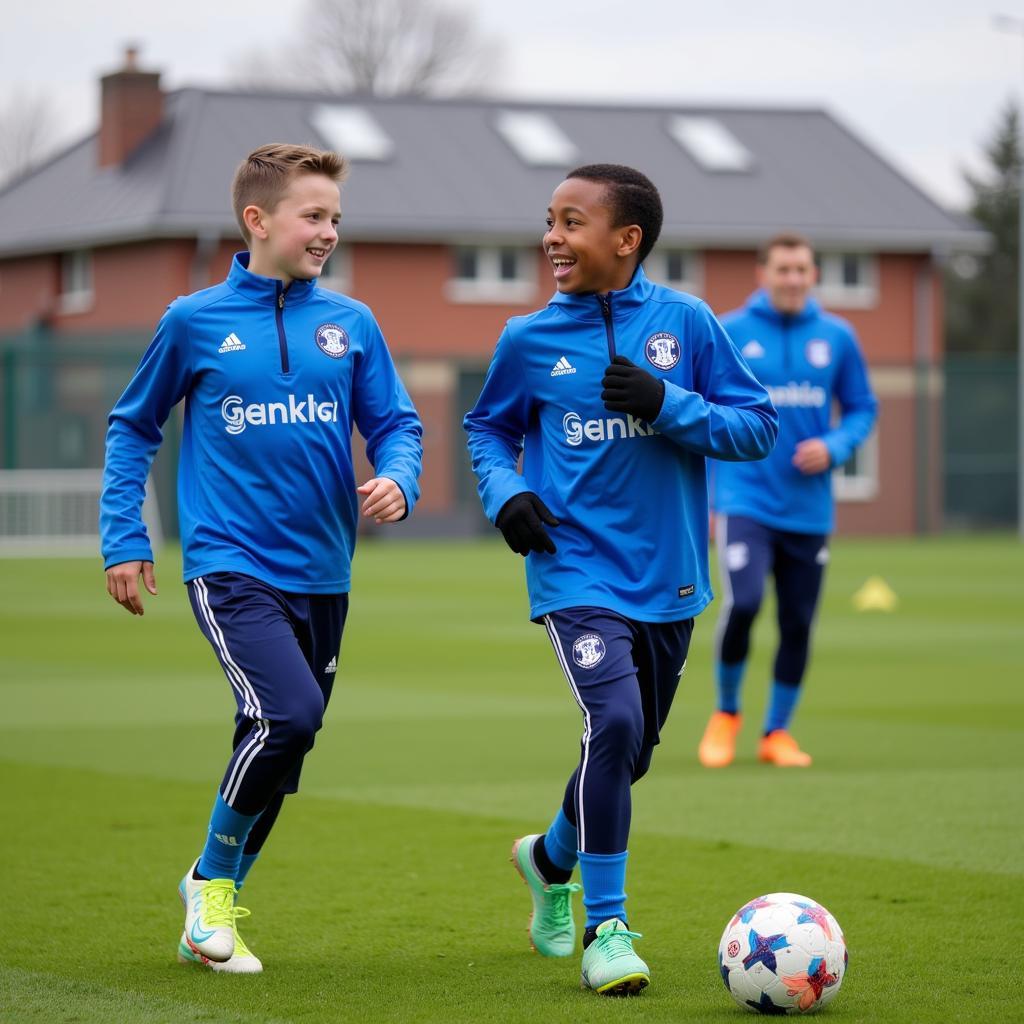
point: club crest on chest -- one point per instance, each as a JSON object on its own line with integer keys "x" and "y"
{"x": 662, "y": 350}
{"x": 332, "y": 340}
{"x": 819, "y": 353}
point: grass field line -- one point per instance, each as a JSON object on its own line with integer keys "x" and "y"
{"x": 668, "y": 808}
{"x": 184, "y": 699}
{"x": 979, "y": 715}
{"x": 52, "y": 699}
{"x": 981, "y": 816}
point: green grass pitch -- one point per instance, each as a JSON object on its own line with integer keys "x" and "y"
{"x": 385, "y": 893}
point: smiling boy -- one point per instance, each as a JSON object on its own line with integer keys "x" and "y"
{"x": 775, "y": 518}
{"x": 274, "y": 372}
{"x": 614, "y": 394}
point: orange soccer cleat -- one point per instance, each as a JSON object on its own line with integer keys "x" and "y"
{"x": 718, "y": 744}
{"x": 778, "y": 747}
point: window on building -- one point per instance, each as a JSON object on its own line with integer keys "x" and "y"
{"x": 337, "y": 271}
{"x": 708, "y": 142}
{"x": 678, "y": 268}
{"x": 857, "y": 478}
{"x": 536, "y": 138}
{"x": 508, "y": 264}
{"x": 847, "y": 279}
{"x": 76, "y": 294}
{"x": 352, "y": 131}
{"x": 501, "y": 273}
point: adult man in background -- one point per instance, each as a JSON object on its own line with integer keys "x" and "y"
{"x": 775, "y": 516}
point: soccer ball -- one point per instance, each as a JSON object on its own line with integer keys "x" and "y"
{"x": 782, "y": 953}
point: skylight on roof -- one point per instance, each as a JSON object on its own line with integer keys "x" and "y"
{"x": 710, "y": 143}
{"x": 351, "y": 131}
{"x": 535, "y": 138}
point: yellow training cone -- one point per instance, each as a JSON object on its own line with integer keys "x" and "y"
{"x": 875, "y": 596}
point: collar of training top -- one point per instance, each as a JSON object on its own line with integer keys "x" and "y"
{"x": 623, "y": 303}
{"x": 265, "y": 289}
{"x": 761, "y": 304}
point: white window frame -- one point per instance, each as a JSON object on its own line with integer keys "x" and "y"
{"x": 340, "y": 265}
{"x": 831, "y": 290}
{"x": 656, "y": 268}
{"x": 488, "y": 286}
{"x": 76, "y": 281}
{"x": 864, "y": 485}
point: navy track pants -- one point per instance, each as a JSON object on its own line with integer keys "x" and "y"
{"x": 279, "y": 652}
{"x": 623, "y": 675}
{"x": 748, "y": 551}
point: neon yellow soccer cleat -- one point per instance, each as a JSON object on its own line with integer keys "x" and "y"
{"x": 209, "y": 915}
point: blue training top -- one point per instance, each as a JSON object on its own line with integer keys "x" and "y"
{"x": 273, "y": 380}
{"x": 631, "y": 496}
{"x": 805, "y": 361}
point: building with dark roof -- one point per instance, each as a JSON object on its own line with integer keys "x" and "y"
{"x": 442, "y": 216}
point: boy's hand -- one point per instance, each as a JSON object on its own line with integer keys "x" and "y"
{"x": 628, "y": 388}
{"x": 812, "y": 456}
{"x": 123, "y": 584}
{"x": 385, "y": 502}
{"x": 521, "y": 521}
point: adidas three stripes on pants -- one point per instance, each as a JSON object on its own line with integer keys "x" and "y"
{"x": 279, "y": 652}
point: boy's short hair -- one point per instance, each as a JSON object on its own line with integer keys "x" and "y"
{"x": 633, "y": 199}
{"x": 264, "y": 175}
{"x": 784, "y": 240}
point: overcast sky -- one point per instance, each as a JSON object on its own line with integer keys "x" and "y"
{"x": 922, "y": 80}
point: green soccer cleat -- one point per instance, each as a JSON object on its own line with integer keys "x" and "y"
{"x": 209, "y": 916}
{"x": 552, "y": 929}
{"x": 610, "y": 966}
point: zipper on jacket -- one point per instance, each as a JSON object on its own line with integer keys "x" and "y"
{"x": 282, "y": 341}
{"x": 786, "y": 321}
{"x": 609, "y": 327}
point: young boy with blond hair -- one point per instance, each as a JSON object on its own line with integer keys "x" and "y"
{"x": 274, "y": 371}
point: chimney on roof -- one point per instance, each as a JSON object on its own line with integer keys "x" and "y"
{"x": 132, "y": 107}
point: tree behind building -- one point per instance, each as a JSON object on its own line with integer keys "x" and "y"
{"x": 382, "y": 47}
{"x": 981, "y": 290}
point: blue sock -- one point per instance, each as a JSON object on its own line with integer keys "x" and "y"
{"x": 730, "y": 677}
{"x": 560, "y": 842}
{"x": 248, "y": 859}
{"x": 604, "y": 886}
{"x": 225, "y": 840}
{"x": 781, "y": 706}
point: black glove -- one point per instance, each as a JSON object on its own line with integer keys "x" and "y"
{"x": 628, "y": 388}
{"x": 521, "y": 521}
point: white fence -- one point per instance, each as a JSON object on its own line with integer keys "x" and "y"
{"x": 55, "y": 512}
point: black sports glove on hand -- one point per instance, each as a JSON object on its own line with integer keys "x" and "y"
{"x": 628, "y": 388}
{"x": 521, "y": 521}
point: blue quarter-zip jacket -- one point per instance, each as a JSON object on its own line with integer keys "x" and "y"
{"x": 805, "y": 361}
{"x": 273, "y": 380}
{"x": 631, "y": 496}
